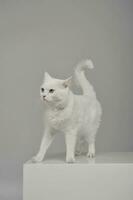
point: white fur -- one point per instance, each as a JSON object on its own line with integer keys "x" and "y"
{"x": 76, "y": 116}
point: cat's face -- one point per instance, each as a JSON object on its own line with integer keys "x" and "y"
{"x": 54, "y": 91}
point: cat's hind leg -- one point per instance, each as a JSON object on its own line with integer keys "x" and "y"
{"x": 78, "y": 149}
{"x": 92, "y": 137}
{"x": 91, "y": 143}
{"x": 91, "y": 150}
{"x": 81, "y": 147}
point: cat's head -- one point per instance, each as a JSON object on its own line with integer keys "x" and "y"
{"x": 53, "y": 91}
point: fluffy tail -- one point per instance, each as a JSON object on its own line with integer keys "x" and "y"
{"x": 80, "y": 76}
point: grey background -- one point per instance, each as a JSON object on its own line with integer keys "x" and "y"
{"x": 36, "y": 36}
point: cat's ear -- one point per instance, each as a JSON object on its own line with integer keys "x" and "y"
{"x": 47, "y": 76}
{"x": 67, "y": 82}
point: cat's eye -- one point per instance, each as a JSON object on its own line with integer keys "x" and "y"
{"x": 51, "y": 90}
{"x": 42, "y": 89}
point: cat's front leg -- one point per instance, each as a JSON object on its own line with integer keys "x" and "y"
{"x": 70, "y": 139}
{"x": 45, "y": 143}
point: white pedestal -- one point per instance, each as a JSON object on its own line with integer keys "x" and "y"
{"x": 107, "y": 177}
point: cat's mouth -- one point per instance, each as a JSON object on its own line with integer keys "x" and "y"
{"x": 44, "y": 99}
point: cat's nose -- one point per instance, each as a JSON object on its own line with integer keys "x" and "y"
{"x": 44, "y": 96}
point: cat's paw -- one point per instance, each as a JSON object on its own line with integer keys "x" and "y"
{"x": 70, "y": 160}
{"x": 91, "y": 154}
{"x": 36, "y": 159}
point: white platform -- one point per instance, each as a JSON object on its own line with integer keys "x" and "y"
{"x": 107, "y": 177}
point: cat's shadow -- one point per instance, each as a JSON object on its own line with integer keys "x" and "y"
{"x": 54, "y": 158}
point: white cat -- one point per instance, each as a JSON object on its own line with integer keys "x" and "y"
{"x": 76, "y": 116}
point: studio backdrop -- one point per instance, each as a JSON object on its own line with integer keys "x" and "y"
{"x": 53, "y": 36}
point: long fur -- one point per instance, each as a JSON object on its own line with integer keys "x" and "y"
{"x": 76, "y": 116}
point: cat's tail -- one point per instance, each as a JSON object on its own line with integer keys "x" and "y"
{"x": 80, "y": 76}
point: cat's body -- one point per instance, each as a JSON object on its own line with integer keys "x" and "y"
{"x": 76, "y": 116}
